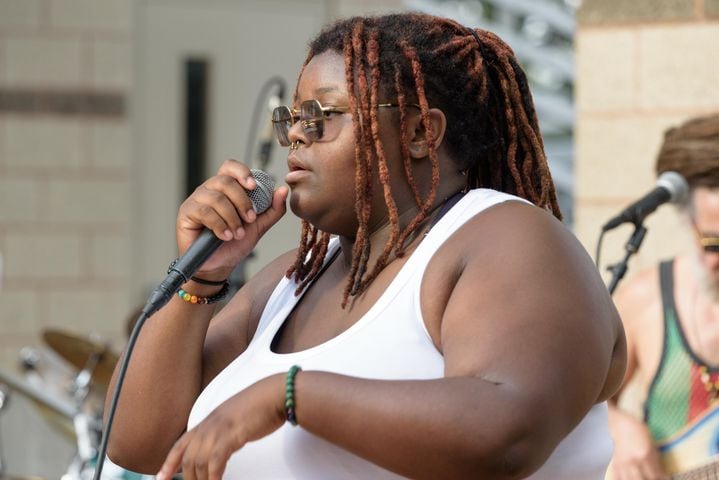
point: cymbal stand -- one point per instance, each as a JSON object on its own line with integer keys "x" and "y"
{"x": 85, "y": 426}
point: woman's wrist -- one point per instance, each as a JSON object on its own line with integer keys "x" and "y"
{"x": 202, "y": 293}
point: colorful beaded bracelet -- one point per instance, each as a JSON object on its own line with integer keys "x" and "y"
{"x": 190, "y": 298}
{"x": 290, "y": 394}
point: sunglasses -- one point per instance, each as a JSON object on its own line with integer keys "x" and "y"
{"x": 709, "y": 243}
{"x": 311, "y": 117}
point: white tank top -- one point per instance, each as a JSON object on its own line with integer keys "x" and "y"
{"x": 389, "y": 342}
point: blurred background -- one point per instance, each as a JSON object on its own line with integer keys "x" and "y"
{"x": 112, "y": 111}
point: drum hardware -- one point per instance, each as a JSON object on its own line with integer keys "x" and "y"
{"x": 46, "y": 371}
{"x": 86, "y": 431}
{"x": 69, "y": 397}
{"x": 20, "y": 385}
{"x": 79, "y": 351}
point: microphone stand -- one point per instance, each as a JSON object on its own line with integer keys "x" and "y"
{"x": 238, "y": 275}
{"x": 619, "y": 269}
{"x": 262, "y": 101}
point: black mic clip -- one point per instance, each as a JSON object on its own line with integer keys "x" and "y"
{"x": 181, "y": 269}
{"x": 619, "y": 269}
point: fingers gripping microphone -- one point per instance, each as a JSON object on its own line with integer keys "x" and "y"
{"x": 204, "y": 246}
{"x": 671, "y": 187}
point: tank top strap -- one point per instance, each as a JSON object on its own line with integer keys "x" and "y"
{"x": 666, "y": 285}
{"x": 666, "y": 409}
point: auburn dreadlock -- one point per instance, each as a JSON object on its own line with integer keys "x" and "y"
{"x": 474, "y": 78}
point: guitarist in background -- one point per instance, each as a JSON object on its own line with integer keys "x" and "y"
{"x": 671, "y": 318}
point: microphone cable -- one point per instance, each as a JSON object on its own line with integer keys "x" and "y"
{"x": 180, "y": 271}
{"x": 116, "y": 394}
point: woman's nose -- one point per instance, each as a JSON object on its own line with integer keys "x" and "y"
{"x": 296, "y": 134}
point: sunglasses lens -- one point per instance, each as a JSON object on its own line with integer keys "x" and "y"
{"x": 281, "y": 122}
{"x": 711, "y": 248}
{"x": 312, "y": 119}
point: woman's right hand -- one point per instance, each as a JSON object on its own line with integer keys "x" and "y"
{"x": 221, "y": 204}
{"x": 635, "y": 456}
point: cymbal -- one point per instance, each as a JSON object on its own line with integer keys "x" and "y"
{"x": 78, "y": 350}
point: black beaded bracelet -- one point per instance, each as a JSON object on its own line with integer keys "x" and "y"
{"x": 290, "y": 395}
{"x": 214, "y": 283}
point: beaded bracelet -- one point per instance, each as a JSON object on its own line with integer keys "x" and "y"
{"x": 290, "y": 394}
{"x": 190, "y": 298}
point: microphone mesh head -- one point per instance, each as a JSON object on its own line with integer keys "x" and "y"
{"x": 676, "y": 185}
{"x": 261, "y": 196}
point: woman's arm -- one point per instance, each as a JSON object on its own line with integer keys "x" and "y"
{"x": 180, "y": 349}
{"x": 528, "y": 336}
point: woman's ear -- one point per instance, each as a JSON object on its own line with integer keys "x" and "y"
{"x": 417, "y": 134}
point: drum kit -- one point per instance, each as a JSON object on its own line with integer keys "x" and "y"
{"x": 66, "y": 380}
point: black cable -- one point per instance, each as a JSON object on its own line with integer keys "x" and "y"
{"x": 116, "y": 394}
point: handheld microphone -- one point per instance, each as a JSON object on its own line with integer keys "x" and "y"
{"x": 204, "y": 246}
{"x": 670, "y": 187}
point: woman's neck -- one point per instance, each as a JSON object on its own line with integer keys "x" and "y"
{"x": 381, "y": 230}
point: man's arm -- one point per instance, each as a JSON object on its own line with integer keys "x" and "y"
{"x": 639, "y": 305}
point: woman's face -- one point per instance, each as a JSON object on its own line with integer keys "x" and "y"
{"x": 322, "y": 172}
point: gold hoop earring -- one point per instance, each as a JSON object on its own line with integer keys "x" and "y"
{"x": 294, "y": 145}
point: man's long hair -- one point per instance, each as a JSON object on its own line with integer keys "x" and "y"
{"x": 692, "y": 150}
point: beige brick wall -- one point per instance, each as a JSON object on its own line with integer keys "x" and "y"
{"x": 64, "y": 178}
{"x": 642, "y": 67}
{"x": 64, "y": 198}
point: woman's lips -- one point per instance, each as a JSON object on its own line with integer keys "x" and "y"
{"x": 296, "y": 169}
{"x": 294, "y": 176}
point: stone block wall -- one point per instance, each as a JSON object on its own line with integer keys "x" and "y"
{"x": 65, "y": 142}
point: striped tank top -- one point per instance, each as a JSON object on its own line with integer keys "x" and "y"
{"x": 678, "y": 393}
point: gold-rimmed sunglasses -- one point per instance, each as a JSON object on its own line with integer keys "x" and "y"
{"x": 311, "y": 117}
{"x": 709, "y": 243}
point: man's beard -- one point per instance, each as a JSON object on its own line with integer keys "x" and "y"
{"x": 707, "y": 282}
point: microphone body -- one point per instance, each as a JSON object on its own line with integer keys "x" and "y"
{"x": 204, "y": 246}
{"x": 670, "y": 187}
